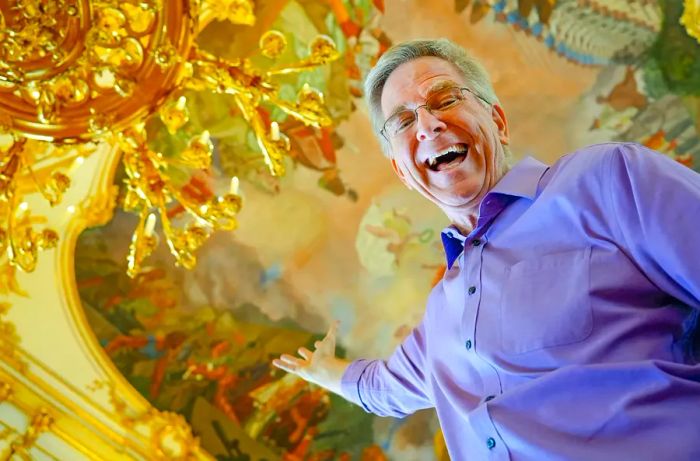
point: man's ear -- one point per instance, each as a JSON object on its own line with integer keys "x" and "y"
{"x": 400, "y": 174}
{"x": 499, "y": 118}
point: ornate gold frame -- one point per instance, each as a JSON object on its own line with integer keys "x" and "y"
{"x": 60, "y": 395}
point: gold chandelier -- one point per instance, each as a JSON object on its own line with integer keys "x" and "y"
{"x": 76, "y": 72}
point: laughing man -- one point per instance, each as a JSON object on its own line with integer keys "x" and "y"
{"x": 563, "y": 328}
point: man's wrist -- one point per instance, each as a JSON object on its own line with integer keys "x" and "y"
{"x": 336, "y": 369}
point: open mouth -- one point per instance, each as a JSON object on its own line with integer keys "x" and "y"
{"x": 447, "y": 158}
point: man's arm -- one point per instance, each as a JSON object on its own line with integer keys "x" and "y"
{"x": 656, "y": 205}
{"x": 396, "y": 387}
{"x": 387, "y": 388}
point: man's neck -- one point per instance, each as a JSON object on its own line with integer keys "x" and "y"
{"x": 464, "y": 223}
{"x": 465, "y": 219}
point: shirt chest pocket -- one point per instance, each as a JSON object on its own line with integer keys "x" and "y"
{"x": 545, "y": 302}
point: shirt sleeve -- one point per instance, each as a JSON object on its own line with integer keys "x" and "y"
{"x": 656, "y": 203}
{"x": 396, "y": 387}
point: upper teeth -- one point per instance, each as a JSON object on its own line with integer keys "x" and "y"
{"x": 459, "y": 148}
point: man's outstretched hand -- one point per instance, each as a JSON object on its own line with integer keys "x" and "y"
{"x": 321, "y": 366}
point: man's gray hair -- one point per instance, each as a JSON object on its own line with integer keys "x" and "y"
{"x": 476, "y": 77}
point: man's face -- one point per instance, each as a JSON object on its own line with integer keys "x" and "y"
{"x": 454, "y": 157}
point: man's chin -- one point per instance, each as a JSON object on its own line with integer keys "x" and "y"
{"x": 456, "y": 201}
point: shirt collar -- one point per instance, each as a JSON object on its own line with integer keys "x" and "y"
{"x": 453, "y": 243}
{"x": 521, "y": 181}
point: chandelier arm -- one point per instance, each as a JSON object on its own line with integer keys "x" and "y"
{"x": 294, "y": 110}
{"x": 301, "y": 66}
{"x": 191, "y": 208}
{"x": 272, "y": 155}
{"x": 182, "y": 255}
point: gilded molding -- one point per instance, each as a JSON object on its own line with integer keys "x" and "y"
{"x": 171, "y": 437}
{"x": 9, "y": 340}
{"x": 78, "y": 426}
{"x": 5, "y": 391}
{"x": 6, "y": 433}
{"x": 41, "y": 422}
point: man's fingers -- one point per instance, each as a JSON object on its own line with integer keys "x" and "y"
{"x": 330, "y": 336}
{"x": 284, "y": 366}
{"x": 304, "y": 352}
{"x": 332, "y": 330}
{"x": 289, "y": 363}
{"x": 290, "y": 359}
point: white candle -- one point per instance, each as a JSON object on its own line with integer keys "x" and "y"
{"x": 180, "y": 104}
{"x": 204, "y": 137}
{"x": 275, "y": 131}
{"x": 234, "y": 185}
{"x": 150, "y": 225}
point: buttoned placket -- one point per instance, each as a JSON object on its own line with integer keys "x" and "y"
{"x": 471, "y": 261}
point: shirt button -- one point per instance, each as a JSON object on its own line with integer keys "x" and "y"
{"x": 476, "y": 242}
{"x": 472, "y": 290}
{"x": 490, "y": 443}
{"x": 490, "y": 397}
{"x": 468, "y": 344}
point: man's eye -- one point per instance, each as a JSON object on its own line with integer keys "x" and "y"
{"x": 403, "y": 121}
{"x": 445, "y": 103}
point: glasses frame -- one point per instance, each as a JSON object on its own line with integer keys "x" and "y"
{"x": 383, "y": 131}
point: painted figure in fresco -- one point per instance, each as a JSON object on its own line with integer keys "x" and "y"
{"x": 564, "y": 326}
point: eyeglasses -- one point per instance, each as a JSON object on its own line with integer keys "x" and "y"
{"x": 438, "y": 102}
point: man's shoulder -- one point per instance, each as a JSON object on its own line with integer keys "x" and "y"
{"x": 615, "y": 159}
{"x": 592, "y": 164}
{"x": 584, "y": 165}
{"x": 593, "y": 156}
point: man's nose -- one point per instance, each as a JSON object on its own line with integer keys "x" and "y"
{"x": 428, "y": 126}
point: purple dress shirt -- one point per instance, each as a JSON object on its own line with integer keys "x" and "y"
{"x": 563, "y": 327}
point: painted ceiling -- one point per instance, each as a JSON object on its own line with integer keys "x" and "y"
{"x": 340, "y": 238}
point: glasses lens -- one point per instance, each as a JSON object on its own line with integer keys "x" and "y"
{"x": 400, "y": 122}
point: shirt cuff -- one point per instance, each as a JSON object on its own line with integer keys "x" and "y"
{"x": 350, "y": 382}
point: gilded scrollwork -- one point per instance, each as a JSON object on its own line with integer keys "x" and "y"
{"x": 5, "y": 391}
{"x": 9, "y": 343}
{"x": 20, "y": 446}
{"x": 171, "y": 437}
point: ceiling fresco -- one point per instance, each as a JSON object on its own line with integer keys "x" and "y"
{"x": 338, "y": 237}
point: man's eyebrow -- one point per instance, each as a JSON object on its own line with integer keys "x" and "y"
{"x": 441, "y": 85}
